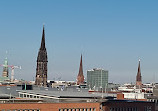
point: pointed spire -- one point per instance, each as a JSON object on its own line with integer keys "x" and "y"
{"x": 43, "y": 40}
{"x": 139, "y": 73}
{"x": 80, "y": 77}
{"x": 81, "y": 67}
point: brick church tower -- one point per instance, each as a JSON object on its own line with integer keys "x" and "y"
{"x": 80, "y": 77}
{"x": 139, "y": 78}
{"x": 41, "y": 69}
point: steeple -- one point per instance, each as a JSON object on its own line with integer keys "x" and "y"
{"x": 41, "y": 70}
{"x": 80, "y": 77}
{"x": 42, "y": 54}
{"x": 81, "y": 68}
{"x": 139, "y": 77}
{"x": 43, "y": 40}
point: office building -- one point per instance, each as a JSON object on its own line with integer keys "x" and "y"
{"x": 97, "y": 79}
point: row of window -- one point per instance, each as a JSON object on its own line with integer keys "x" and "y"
{"x": 77, "y": 109}
{"x": 20, "y": 110}
{"x": 124, "y": 109}
{"x": 146, "y": 108}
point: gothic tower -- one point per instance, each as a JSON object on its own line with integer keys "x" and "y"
{"x": 41, "y": 70}
{"x": 80, "y": 77}
{"x": 5, "y": 68}
{"x": 138, "y": 77}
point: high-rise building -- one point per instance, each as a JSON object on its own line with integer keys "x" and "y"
{"x": 5, "y": 68}
{"x": 97, "y": 79}
{"x": 80, "y": 77}
{"x": 41, "y": 70}
{"x": 139, "y": 77}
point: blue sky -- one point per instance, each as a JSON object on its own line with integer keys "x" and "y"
{"x": 111, "y": 35}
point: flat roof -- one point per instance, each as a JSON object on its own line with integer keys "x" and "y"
{"x": 66, "y": 94}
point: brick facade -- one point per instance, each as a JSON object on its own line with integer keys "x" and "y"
{"x": 128, "y": 106}
{"x": 50, "y": 106}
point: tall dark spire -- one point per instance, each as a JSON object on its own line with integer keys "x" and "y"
{"x": 80, "y": 77}
{"x": 42, "y": 54}
{"x": 139, "y": 78}
{"x": 43, "y": 40}
{"x": 81, "y": 67}
{"x": 41, "y": 70}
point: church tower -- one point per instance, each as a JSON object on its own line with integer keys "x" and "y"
{"x": 41, "y": 69}
{"x": 139, "y": 78}
{"x": 80, "y": 77}
{"x": 5, "y": 68}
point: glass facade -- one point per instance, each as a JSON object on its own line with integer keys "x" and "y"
{"x": 97, "y": 79}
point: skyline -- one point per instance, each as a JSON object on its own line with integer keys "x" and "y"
{"x": 111, "y": 35}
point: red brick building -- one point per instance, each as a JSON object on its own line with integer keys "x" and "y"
{"x": 50, "y": 107}
{"x": 108, "y": 105}
{"x": 128, "y": 105}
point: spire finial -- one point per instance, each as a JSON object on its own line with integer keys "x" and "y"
{"x": 43, "y": 40}
{"x": 43, "y": 25}
{"x": 139, "y": 59}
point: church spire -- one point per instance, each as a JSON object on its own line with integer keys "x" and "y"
{"x": 81, "y": 67}
{"x": 43, "y": 40}
{"x": 41, "y": 69}
{"x": 80, "y": 77}
{"x": 139, "y": 73}
{"x": 139, "y": 77}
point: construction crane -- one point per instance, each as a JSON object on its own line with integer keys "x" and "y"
{"x": 12, "y": 70}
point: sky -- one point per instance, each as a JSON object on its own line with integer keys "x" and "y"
{"x": 110, "y": 34}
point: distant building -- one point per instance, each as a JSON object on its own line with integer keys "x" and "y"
{"x": 80, "y": 77}
{"x": 128, "y": 105}
{"x": 41, "y": 70}
{"x": 97, "y": 79}
{"x": 139, "y": 78}
{"x": 13, "y": 98}
{"x": 5, "y": 68}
